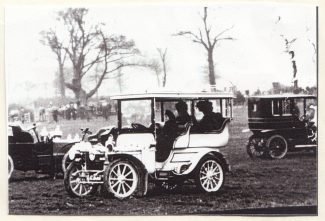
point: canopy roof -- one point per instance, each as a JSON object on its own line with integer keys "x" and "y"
{"x": 284, "y": 96}
{"x": 173, "y": 95}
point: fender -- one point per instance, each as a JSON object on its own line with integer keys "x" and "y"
{"x": 193, "y": 156}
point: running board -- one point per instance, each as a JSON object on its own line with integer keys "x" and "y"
{"x": 305, "y": 145}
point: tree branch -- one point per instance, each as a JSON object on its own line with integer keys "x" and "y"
{"x": 216, "y": 38}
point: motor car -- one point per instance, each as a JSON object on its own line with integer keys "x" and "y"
{"x": 27, "y": 151}
{"x": 136, "y": 151}
{"x": 281, "y": 123}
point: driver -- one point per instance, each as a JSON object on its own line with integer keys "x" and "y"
{"x": 170, "y": 126}
{"x": 166, "y": 139}
{"x": 311, "y": 115}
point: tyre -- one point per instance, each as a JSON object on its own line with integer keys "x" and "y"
{"x": 10, "y": 166}
{"x": 121, "y": 179}
{"x": 65, "y": 162}
{"x": 75, "y": 181}
{"x": 209, "y": 176}
{"x": 254, "y": 148}
{"x": 277, "y": 147}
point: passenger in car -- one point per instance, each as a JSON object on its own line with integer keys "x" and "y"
{"x": 166, "y": 139}
{"x": 183, "y": 116}
{"x": 170, "y": 126}
{"x": 210, "y": 120}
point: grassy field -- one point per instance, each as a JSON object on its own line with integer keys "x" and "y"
{"x": 251, "y": 184}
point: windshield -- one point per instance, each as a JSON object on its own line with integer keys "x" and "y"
{"x": 136, "y": 111}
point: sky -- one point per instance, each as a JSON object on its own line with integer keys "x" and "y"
{"x": 254, "y": 60}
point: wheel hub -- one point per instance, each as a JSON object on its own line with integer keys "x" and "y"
{"x": 209, "y": 175}
{"x": 121, "y": 178}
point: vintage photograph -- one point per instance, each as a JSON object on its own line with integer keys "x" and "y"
{"x": 162, "y": 109}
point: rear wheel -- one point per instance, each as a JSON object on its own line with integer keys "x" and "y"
{"x": 209, "y": 176}
{"x": 75, "y": 181}
{"x": 255, "y": 148}
{"x": 121, "y": 179}
{"x": 277, "y": 146}
{"x": 10, "y": 166}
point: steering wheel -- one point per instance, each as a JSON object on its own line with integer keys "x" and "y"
{"x": 138, "y": 126}
{"x": 86, "y": 131}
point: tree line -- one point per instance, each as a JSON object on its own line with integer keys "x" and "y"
{"x": 89, "y": 50}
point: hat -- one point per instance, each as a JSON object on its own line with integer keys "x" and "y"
{"x": 203, "y": 104}
{"x": 181, "y": 105}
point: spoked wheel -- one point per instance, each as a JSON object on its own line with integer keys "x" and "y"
{"x": 75, "y": 181}
{"x": 121, "y": 179}
{"x": 65, "y": 162}
{"x": 10, "y": 166}
{"x": 210, "y": 175}
{"x": 255, "y": 148}
{"x": 277, "y": 147}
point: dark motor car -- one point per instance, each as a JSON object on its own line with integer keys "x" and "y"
{"x": 281, "y": 123}
{"x": 28, "y": 152}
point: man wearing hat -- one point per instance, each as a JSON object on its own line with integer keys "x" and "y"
{"x": 210, "y": 120}
{"x": 183, "y": 116}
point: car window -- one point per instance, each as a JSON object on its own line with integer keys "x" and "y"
{"x": 137, "y": 111}
{"x": 298, "y": 107}
{"x": 216, "y": 108}
{"x": 286, "y": 107}
{"x": 158, "y": 111}
{"x": 275, "y": 107}
{"x": 170, "y": 105}
{"x": 226, "y": 106}
{"x": 311, "y": 101}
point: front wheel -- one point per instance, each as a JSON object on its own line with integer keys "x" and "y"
{"x": 209, "y": 176}
{"x": 121, "y": 179}
{"x": 277, "y": 146}
{"x": 10, "y": 166}
{"x": 65, "y": 162}
{"x": 75, "y": 181}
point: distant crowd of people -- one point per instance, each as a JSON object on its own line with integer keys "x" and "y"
{"x": 75, "y": 110}
{"x": 70, "y": 111}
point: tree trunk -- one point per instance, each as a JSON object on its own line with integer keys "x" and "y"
{"x": 212, "y": 78}
{"x": 61, "y": 81}
{"x": 165, "y": 74}
{"x": 81, "y": 96}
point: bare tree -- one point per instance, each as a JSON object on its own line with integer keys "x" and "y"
{"x": 163, "y": 58}
{"x": 88, "y": 47}
{"x": 312, "y": 44}
{"x": 205, "y": 38}
{"x": 154, "y": 65}
{"x": 291, "y": 52}
{"x": 50, "y": 39}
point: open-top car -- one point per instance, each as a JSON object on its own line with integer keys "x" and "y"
{"x": 29, "y": 151}
{"x": 281, "y": 123}
{"x": 150, "y": 143}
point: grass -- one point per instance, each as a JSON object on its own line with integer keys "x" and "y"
{"x": 250, "y": 184}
